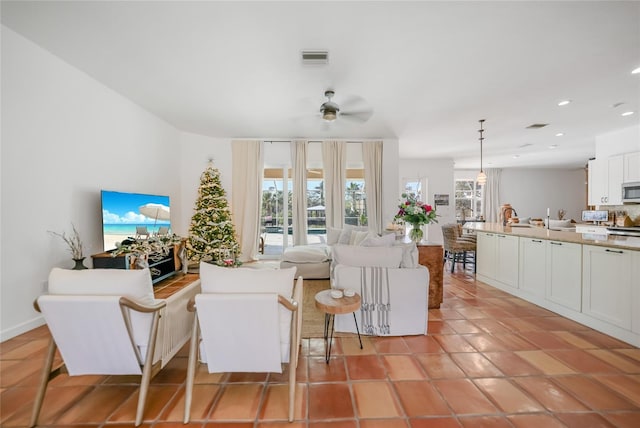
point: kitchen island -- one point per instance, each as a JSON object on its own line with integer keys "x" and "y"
{"x": 591, "y": 279}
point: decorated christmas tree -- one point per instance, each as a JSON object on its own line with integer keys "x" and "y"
{"x": 212, "y": 236}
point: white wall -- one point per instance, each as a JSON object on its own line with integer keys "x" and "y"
{"x": 65, "y": 137}
{"x": 618, "y": 142}
{"x": 531, "y": 191}
{"x": 439, "y": 175}
{"x": 195, "y": 152}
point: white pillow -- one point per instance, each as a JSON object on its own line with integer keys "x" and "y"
{"x": 333, "y": 235}
{"x": 345, "y": 235}
{"x": 389, "y": 257}
{"x": 409, "y": 255}
{"x": 305, "y": 254}
{"x": 379, "y": 241}
{"x": 217, "y": 279}
{"x": 132, "y": 283}
{"x": 357, "y": 237}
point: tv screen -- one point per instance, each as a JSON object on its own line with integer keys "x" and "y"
{"x": 125, "y": 215}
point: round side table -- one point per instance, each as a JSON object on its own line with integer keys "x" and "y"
{"x": 332, "y": 307}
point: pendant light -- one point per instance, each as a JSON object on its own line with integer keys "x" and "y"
{"x": 482, "y": 177}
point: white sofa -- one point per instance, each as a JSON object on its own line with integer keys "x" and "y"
{"x": 365, "y": 270}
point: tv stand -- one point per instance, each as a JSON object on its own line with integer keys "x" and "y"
{"x": 161, "y": 266}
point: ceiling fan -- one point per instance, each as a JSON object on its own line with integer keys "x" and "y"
{"x": 331, "y": 110}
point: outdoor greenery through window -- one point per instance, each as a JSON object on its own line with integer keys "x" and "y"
{"x": 468, "y": 196}
{"x": 276, "y": 229}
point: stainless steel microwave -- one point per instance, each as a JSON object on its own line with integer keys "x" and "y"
{"x": 631, "y": 193}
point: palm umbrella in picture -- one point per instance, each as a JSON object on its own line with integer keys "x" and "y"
{"x": 156, "y": 212}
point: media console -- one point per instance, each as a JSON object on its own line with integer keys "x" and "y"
{"x": 161, "y": 266}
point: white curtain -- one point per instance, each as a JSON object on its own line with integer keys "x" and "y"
{"x": 248, "y": 165}
{"x": 491, "y": 195}
{"x": 334, "y": 163}
{"x": 372, "y": 157}
{"x": 299, "y": 197}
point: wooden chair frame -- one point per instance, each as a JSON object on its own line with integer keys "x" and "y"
{"x": 149, "y": 369}
{"x": 291, "y": 305}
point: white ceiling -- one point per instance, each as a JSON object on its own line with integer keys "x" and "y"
{"x": 428, "y": 69}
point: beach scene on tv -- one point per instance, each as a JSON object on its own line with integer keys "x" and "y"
{"x": 133, "y": 215}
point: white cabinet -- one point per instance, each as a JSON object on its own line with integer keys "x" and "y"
{"x": 608, "y": 283}
{"x": 598, "y": 182}
{"x": 615, "y": 174}
{"x": 631, "y": 167}
{"x": 605, "y": 181}
{"x": 485, "y": 254}
{"x": 564, "y": 274}
{"x": 497, "y": 258}
{"x": 635, "y": 292}
{"x": 507, "y": 250}
{"x": 533, "y": 266}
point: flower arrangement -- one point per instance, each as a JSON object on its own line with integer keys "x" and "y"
{"x": 416, "y": 213}
{"x": 73, "y": 241}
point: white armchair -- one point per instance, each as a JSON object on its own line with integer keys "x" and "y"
{"x": 104, "y": 322}
{"x": 247, "y": 320}
{"x": 393, "y": 287}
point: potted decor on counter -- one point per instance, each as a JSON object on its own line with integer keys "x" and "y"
{"x": 75, "y": 246}
{"x": 417, "y": 214}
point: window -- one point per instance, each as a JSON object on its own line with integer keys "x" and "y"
{"x": 468, "y": 196}
{"x": 355, "y": 206}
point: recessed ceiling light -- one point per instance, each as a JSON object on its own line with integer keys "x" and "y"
{"x": 564, "y": 102}
{"x": 559, "y": 134}
{"x": 516, "y": 156}
{"x": 553, "y": 146}
{"x": 627, "y": 113}
{"x": 636, "y": 71}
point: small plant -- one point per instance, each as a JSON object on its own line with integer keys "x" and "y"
{"x": 73, "y": 241}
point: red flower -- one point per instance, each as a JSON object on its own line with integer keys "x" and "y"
{"x": 427, "y": 207}
{"x": 407, "y": 203}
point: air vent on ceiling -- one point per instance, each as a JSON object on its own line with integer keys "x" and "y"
{"x": 315, "y": 57}
{"x": 537, "y": 125}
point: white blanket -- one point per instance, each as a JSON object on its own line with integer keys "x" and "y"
{"x": 376, "y": 300}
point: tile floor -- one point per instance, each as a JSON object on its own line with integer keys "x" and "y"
{"x": 489, "y": 360}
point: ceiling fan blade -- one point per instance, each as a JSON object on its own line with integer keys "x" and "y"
{"x": 353, "y": 103}
{"x": 358, "y": 116}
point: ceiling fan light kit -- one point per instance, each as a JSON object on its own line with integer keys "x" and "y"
{"x": 330, "y": 110}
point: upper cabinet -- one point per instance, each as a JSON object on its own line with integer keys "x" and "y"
{"x": 605, "y": 181}
{"x": 631, "y": 167}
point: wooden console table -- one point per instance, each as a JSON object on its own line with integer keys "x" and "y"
{"x": 431, "y": 256}
{"x": 175, "y": 321}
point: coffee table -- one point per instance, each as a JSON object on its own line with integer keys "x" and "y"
{"x": 331, "y": 307}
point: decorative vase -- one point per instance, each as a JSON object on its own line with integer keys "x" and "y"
{"x": 79, "y": 265}
{"x": 416, "y": 233}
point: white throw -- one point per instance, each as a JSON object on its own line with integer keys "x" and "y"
{"x": 240, "y": 331}
{"x": 376, "y": 300}
{"x": 91, "y": 334}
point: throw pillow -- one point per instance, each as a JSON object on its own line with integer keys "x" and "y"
{"x": 357, "y": 237}
{"x": 217, "y": 279}
{"x": 345, "y": 235}
{"x": 333, "y": 234}
{"x": 389, "y": 257}
{"x": 409, "y": 255}
{"x": 379, "y": 241}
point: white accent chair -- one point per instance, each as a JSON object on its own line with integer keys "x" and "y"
{"x": 247, "y": 320}
{"x": 104, "y": 322}
{"x": 393, "y": 287}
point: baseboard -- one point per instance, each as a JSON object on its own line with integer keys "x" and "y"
{"x": 21, "y": 328}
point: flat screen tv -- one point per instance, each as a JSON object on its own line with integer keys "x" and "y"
{"x": 126, "y": 214}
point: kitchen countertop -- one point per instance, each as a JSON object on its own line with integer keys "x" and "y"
{"x": 613, "y": 241}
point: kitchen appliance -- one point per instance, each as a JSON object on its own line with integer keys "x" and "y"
{"x": 624, "y": 231}
{"x": 631, "y": 193}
